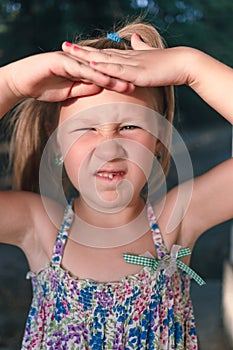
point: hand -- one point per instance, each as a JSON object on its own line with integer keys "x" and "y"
{"x": 146, "y": 66}
{"x": 56, "y": 77}
{"x": 143, "y": 66}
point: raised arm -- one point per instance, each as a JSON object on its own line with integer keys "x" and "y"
{"x": 52, "y": 77}
{"x": 49, "y": 77}
{"x": 144, "y": 66}
{"x": 212, "y": 81}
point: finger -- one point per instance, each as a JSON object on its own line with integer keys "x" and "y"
{"x": 80, "y": 89}
{"x": 120, "y": 86}
{"x": 120, "y": 71}
{"x": 138, "y": 44}
{"x": 86, "y": 88}
{"x": 114, "y": 84}
{"x": 82, "y": 53}
{"x": 77, "y": 72}
{"x": 106, "y": 55}
{"x": 67, "y": 46}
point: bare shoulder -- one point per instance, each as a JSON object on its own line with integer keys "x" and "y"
{"x": 170, "y": 212}
{"x": 47, "y": 217}
{"x": 29, "y": 222}
{"x": 16, "y": 216}
{"x": 195, "y": 206}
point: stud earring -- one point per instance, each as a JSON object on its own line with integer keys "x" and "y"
{"x": 59, "y": 160}
{"x": 159, "y": 156}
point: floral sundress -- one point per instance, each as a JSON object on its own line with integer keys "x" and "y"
{"x": 147, "y": 310}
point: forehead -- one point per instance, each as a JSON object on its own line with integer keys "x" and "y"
{"x": 109, "y": 102}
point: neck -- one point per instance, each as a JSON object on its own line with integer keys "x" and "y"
{"x": 108, "y": 220}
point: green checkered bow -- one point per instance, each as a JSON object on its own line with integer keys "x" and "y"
{"x": 169, "y": 263}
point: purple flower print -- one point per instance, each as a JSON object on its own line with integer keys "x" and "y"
{"x": 59, "y": 248}
{"x": 104, "y": 299}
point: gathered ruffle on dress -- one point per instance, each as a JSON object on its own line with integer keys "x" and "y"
{"x": 147, "y": 310}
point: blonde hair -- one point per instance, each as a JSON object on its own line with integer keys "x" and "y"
{"x": 36, "y": 120}
{"x": 34, "y": 123}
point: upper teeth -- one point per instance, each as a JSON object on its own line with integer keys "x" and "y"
{"x": 109, "y": 175}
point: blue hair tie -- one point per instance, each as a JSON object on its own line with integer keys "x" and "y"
{"x": 114, "y": 37}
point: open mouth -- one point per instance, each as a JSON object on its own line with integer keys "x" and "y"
{"x": 110, "y": 175}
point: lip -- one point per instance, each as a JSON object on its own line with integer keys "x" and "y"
{"x": 110, "y": 174}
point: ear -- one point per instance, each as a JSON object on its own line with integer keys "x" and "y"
{"x": 158, "y": 147}
{"x": 138, "y": 44}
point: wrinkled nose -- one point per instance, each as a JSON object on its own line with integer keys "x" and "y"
{"x": 111, "y": 149}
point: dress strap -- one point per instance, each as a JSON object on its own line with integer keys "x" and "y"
{"x": 63, "y": 234}
{"x": 156, "y": 233}
{"x": 167, "y": 262}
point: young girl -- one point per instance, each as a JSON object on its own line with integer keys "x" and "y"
{"x": 102, "y": 94}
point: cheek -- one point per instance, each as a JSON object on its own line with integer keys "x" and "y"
{"x": 141, "y": 162}
{"x": 75, "y": 148}
{"x": 73, "y": 160}
{"x": 150, "y": 143}
{"x": 147, "y": 140}
{"x": 146, "y": 153}
{"x": 71, "y": 165}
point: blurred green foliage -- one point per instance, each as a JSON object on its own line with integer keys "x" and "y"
{"x": 30, "y": 26}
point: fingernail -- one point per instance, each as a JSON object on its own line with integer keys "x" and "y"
{"x": 67, "y": 43}
{"x": 137, "y": 36}
{"x": 76, "y": 47}
{"x": 94, "y": 63}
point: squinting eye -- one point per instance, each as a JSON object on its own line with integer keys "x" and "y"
{"x": 84, "y": 129}
{"x": 129, "y": 127}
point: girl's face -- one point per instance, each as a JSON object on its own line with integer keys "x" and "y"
{"x": 107, "y": 147}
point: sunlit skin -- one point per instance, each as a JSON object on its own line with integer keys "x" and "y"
{"x": 56, "y": 77}
{"x": 90, "y": 144}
